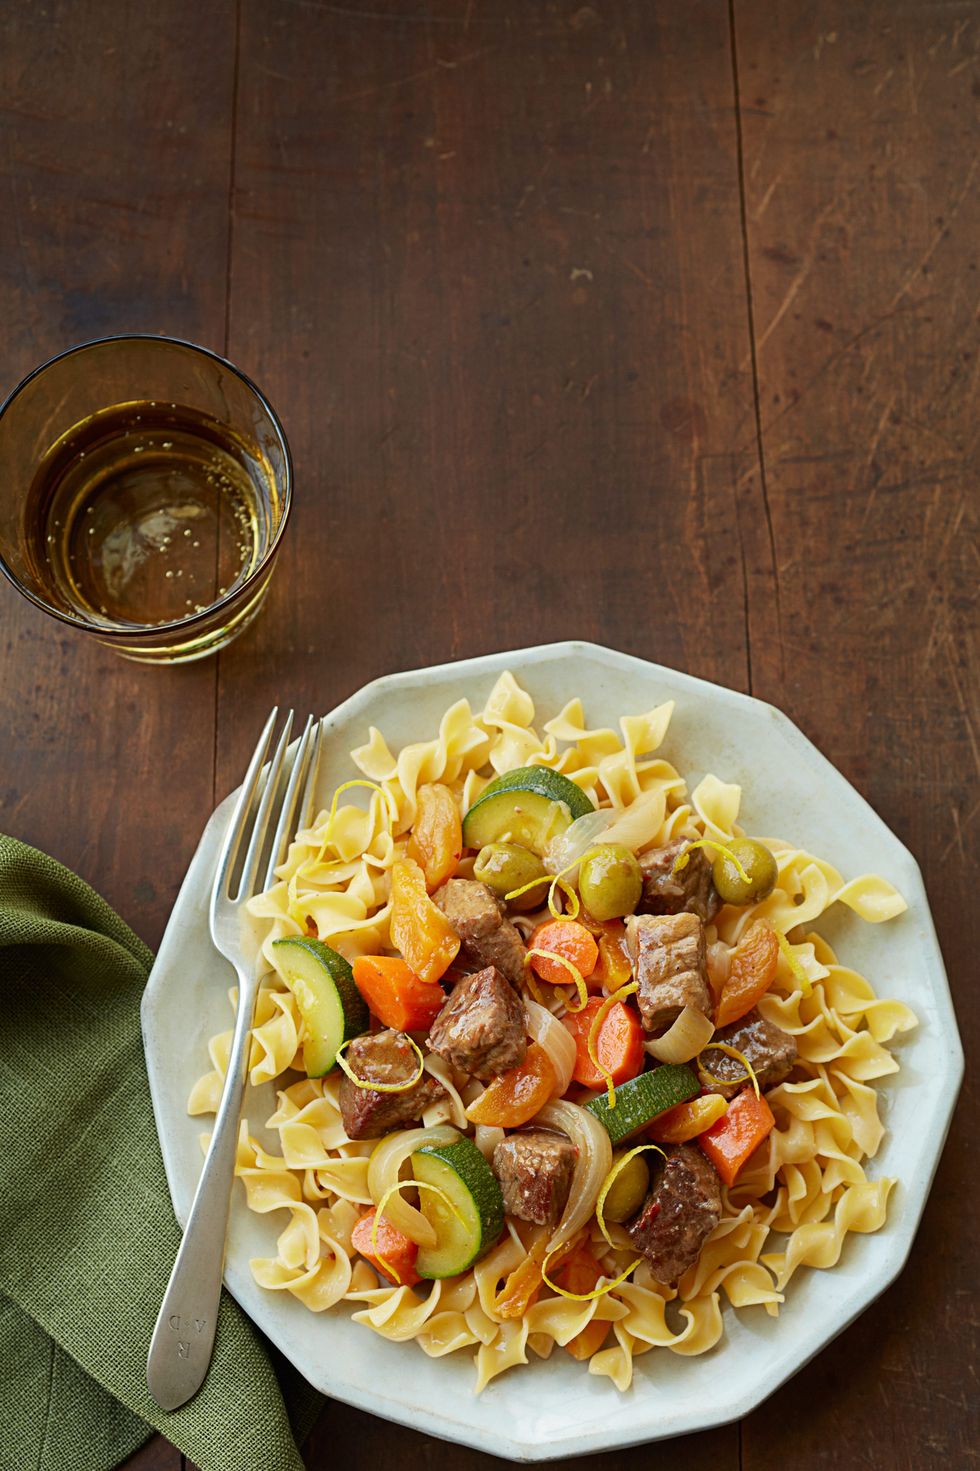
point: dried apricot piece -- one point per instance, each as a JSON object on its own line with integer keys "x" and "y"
{"x": 752, "y": 972}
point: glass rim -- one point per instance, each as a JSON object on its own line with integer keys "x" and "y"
{"x": 156, "y": 630}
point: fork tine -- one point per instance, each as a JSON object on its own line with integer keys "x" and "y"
{"x": 284, "y": 827}
{"x": 236, "y": 824}
{"x": 260, "y": 828}
{"x": 306, "y": 814}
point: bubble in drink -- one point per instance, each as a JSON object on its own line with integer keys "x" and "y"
{"x": 134, "y": 477}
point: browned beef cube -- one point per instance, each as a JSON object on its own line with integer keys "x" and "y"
{"x": 535, "y": 1173}
{"x": 770, "y": 1050}
{"x": 478, "y": 918}
{"x": 384, "y": 1057}
{"x": 482, "y": 1029}
{"x": 679, "y": 1214}
{"x": 670, "y": 965}
{"x": 667, "y": 892}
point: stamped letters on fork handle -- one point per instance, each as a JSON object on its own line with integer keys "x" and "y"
{"x": 173, "y": 1322}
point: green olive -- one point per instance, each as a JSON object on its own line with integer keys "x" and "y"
{"x": 629, "y": 1189}
{"x": 610, "y": 881}
{"x": 504, "y": 867}
{"x": 758, "y": 863}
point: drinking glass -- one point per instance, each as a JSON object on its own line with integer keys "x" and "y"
{"x": 145, "y": 484}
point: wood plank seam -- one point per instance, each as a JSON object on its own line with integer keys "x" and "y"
{"x": 753, "y": 354}
{"x": 229, "y": 255}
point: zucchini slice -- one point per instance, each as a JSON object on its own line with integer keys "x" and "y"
{"x": 330, "y": 1004}
{"x": 530, "y": 806}
{"x": 643, "y": 1098}
{"x": 461, "y": 1172}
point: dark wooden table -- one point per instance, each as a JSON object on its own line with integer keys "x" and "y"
{"x": 650, "y": 323}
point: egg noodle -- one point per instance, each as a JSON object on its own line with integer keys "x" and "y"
{"x": 807, "y": 1187}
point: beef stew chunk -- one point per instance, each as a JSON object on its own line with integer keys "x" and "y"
{"x": 482, "y": 1029}
{"x": 384, "y": 1057}
{"x": 679, "y": 1214}
{"x": 692, "y": 890}
{"x": 535, "y": 1173}
{"x": 670, "y": 965}
{"x": 770, "y": 1050}
{"x": 478, "y": 917}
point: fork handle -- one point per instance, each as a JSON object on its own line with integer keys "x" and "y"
{"x": 183, "y": 1339}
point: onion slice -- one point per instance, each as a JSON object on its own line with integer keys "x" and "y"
{"x": 636, "y": 825}
{"x": 556, "y": 1040}
{"x": 684, "y": 1038}
{"x": 383, "y": 1173}
{"x": 486, "y": 1137}
{"x": 592, "y": 1164}
{"x": 383, "y": 1207}
{"x": 569, "y": 847}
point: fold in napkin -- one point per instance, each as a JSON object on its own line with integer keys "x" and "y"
{"x": 87, "y": 1230}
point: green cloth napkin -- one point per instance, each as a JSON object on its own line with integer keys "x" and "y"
{"x": 87, "y": 1230}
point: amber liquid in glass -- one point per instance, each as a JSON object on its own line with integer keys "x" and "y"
{"x": 148, "y": 513}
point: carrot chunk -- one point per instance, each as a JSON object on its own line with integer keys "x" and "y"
{"x": 568, "y": 939}
{"x": 395, "y": 994}
{"x": 730, "y": 1142}
{"x": 398, "y": 1251}
{"x": 619, "y": 1046}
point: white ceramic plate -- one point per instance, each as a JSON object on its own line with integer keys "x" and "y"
{"x": 555, "y": 1408}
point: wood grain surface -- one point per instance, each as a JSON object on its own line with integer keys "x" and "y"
{"x": 651, "y": 323}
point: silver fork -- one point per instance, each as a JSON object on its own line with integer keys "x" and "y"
{"x": 183, "y": 1339}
